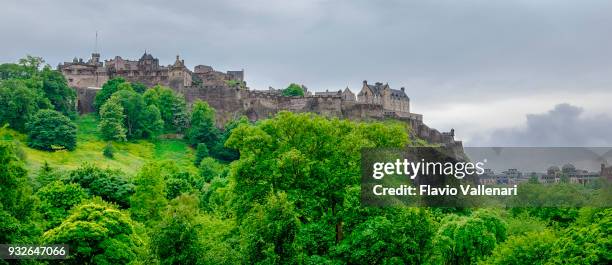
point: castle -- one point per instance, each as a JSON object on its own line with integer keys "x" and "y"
{"x": 228, "y": 94}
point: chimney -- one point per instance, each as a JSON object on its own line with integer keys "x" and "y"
{"x": 403, "y": 89}
{"x": 365, "y": 82}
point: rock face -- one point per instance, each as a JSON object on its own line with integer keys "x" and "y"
{"x": 228, "y": 94}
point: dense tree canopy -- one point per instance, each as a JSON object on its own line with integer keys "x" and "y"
{"x": 16, "y": 202}
{"x": 176, "y": 239}
{"x": 19, "y": 101}
{"x": 50, "y": 130}
{"x": 141, "y": 121}
{"x": 57, "y": 198}
{"x": 202, "y": 125}
{"x": 108, "y": 89}
{"x": 111, "y": 125}
{"x": 97, "y": 233}
{"x": 56, "y": 89}
{"x": 110, "y": 185}
{"x": 171, "y": 105}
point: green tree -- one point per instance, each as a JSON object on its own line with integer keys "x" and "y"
{"x": 293, "y": 90}
{"x": 175, "y": 240}
{"x": 533, "y": 248}
{"x": 587, "y": 241}
{"x": 108, "y": 150}
{"x": 268, "y": 232}
{"x": 466, "y": 239}
{"x": 108, "y": 89}
{"x": 149, "y": 198}
{"x": 400, "y": 236}
{"x": 110, "y": 185}
{"x": 111, "y": 121}
{"x": 97, "y": 233}
{"x": 56, "y": 198}
{"x": 50, "y": 130}
{"x": 13, "y": 71}
{"x": 139, "y": 87}
{"x": 201, "y": 153}
{"x": 219, "y": 150}
{"x": 140, "y": 120}
{"x": 171, "y": 105}
{"x": 300, "y": 154}
{"x": 19, "y": 101}
{"x": 31, "y": 63}
{"x": 209, "y": 168}
{"x": 56, "y": 89}
{"x": 150, "y": 123}
{"x": 16, "y": 203}
{"x": 202, "y": 124}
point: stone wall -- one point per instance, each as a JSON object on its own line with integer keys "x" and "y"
{"x": 231, "y": 103}
{"x": 85, "y": 99}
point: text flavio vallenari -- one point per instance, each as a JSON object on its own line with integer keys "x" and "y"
{"x": 428, "y": 190}
{"x": 422, "y": 168}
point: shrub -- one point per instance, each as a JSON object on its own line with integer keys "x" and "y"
{"x": 109, "y": 150}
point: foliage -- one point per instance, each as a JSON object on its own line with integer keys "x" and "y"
{"x": 141, "y": 121}
{"x": 219, "y": 150}
{"x": 399, "y": 237}
{"x": 56, "y": 89}
{"x": 588, "y": 241}
{"x": 108, "y": 89}
{"x": 149, "y": 198}
{"x": 293, "y": 90}
{"x": 111, "y": 121}
{"x": 292, "y": 153}
{"x": 139, "y": 87}
{"x": 201, "y": 153}
{"x": 109, "y": 150}
{"x": 175, "y": 239}
{"x": 209, "y": 168}
{"x": 15, "y": 195}
{"x": 110, "y": 185}
{"x": 56, "y": 198}
{"x": 466, "y": 239}
{"x": 50, "y": 130}
{"x": 97, "y": 233}
{"x": 202, "y": 125}
{"x": 268, "y": 231}
{"x": 19, "y": 101}
{"x": 532, "y": 248}
{"x": 171, "y": 105}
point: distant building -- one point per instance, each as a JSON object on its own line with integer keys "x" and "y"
{"x": 488, "y": 177}
{"x": 146, "y": 70}
{"x": 345, "y": 95}
{"x": 606, "y": 172}
{"x": 392, "y": 100}
{"x": 569, "y": 172}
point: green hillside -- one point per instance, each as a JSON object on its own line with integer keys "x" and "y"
{"x": 128, "y": 156}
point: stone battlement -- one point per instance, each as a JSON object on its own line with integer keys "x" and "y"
{"x": 228, "y": 94}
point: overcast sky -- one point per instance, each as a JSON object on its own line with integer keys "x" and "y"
{"x": 481, "y": 67}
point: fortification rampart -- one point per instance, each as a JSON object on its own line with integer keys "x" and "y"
{"x": 228, "y": 94}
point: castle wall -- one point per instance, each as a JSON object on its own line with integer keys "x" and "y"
{"x": 85, "y": 99}
{"x": 227, "y": 101}
{"x": 230, "y": 102}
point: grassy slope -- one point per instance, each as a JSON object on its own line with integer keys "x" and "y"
{"x": 129, "y": 156}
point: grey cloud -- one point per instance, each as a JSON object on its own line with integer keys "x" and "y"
{"x": 455, "y": 52}
{"x": 563, "y": 126}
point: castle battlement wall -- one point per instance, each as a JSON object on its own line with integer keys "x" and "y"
{"x": 228, "y": 94}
